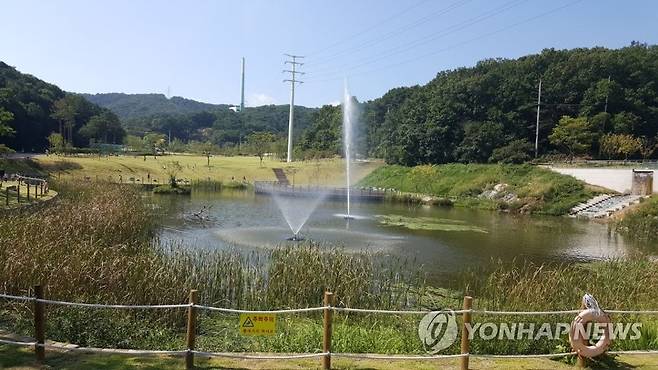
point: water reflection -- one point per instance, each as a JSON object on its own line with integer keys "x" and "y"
{"x": 244, "y": 219}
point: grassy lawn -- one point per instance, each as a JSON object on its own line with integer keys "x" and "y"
{"x": 23, "y": 358}
{"x": 321, "y": 172}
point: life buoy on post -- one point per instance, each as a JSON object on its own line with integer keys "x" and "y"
{"x": 578, "y": 333}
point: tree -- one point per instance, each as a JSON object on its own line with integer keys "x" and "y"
{"x": 5, "y": 129}
{"x": 154, "y": 142}
{"x": 261, "y": 143}
{"x": 324, "y": 134}
{"x": 173, "y": 168}
{"x": 56, "y": 143}
{"x": 104, "y": 128}
{"x": 648, "y": 147}
{"x": 280, "y": 148}
{"x": 176, "y": 146}
{"x": 207, "y": 149}
{"x": 5, "y": 118}
{"x": 516, "y": 151}
{"x": 620, "y": 145}
{"x": 134, "y": 143}
{"x": 573, "y": 134}
{"x": 625, "y": 122}
{"x": 480, "y": 139}
{"x": 64, "y": 112}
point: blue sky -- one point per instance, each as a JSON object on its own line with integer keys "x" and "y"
{"x": 194, "y": 47}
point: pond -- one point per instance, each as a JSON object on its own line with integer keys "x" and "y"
{"x": 444, "y": 240}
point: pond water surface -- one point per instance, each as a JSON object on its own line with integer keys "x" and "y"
{"x": 244, "y": 220}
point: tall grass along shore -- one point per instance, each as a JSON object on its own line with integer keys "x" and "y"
{"x": 98, "y": 244}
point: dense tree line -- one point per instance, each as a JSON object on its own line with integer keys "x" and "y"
{"x": 488, "y": 112}
{"x": 221, "y": 127}
{"x": 32, "y": 110}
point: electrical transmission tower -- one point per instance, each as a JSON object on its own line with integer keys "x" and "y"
{"x": 293, "y": 80}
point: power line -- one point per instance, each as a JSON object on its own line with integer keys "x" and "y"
{"x": 293, "y": 80}
{"x": 394, "y": 33}
{"x": 383, "y": 21}
{"x": 444, "y": 32}
{"x": 488, "y": 34}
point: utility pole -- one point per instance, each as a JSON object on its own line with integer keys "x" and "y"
{"x": 537, "y": 129}
{"x": 241, "y": 107}
{"x": 605, "y": 109}
{"x": 242, "y": 88}
{"x": 293, "y": 80}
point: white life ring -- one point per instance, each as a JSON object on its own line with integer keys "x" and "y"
{"x": 578, "y": 328}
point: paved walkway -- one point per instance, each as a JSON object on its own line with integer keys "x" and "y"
{"x": 617, "y": 179}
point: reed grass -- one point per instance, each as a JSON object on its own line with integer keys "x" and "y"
{"x": 641, "y": 222}
{"x": 97, "y": 244}
{"x": 621, "y": 284}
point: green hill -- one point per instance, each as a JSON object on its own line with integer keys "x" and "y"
{"x": 128, "y": 106}
{"x": 28, "y": 106}
{"x": 488, "y": 112}
{"x": 188, "y": 120}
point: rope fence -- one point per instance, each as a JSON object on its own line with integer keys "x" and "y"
{"x": 328, "y": 308}
{"x": 312, "y": 309}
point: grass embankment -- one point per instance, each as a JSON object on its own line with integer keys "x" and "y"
{"x": 641, "y": 221}
{"x": 26, "y": 167}
{"x": 193, "y": 167}
{"x": 525, "y": 188}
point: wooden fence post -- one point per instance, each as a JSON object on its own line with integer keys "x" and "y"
{"x": 191, "y": 330}
{"x": 18, "y": 192}
{"x": 581, "y": 362}
{"x": 28, "y": 191}
{"x": 468, "y": 304}
{"x": 326, "y": 337}
{"x": 39, "y": 324}
{"x": 7, "y": 196}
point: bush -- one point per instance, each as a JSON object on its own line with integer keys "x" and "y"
{"x": 641, "y": 222}
{"x": 168, "y": 189}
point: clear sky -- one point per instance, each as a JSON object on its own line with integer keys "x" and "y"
{"x": 194, "y": 47}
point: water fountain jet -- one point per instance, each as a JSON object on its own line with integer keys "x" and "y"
{"x": 348, "y": 116}
{"x": 297, "y": 210}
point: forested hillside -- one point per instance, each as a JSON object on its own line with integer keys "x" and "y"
{"x": 604, "y": 103}
{"x": 31, "y": 110}
{"x": 595, "y": 102}
{"x": 128, "y": 106}
{"x": 188, "y": 120}
{"x": 222, "y": 127}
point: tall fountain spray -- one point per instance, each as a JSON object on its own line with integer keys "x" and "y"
{"x": 348, "y": 118}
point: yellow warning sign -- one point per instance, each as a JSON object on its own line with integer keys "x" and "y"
{"x": 257, "y": 324}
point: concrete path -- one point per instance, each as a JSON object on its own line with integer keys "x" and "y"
{"x": 617, "y": 179}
